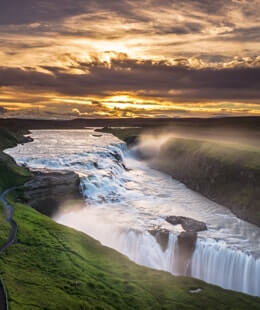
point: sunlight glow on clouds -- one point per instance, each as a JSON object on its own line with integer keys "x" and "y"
{"x": 66, "y": 59}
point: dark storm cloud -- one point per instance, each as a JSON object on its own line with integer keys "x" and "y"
{"x": 2, "y": 110}
{"x": 29, "y": 11}
{"x": 243, "y": 34}
{"x": 152, "y": 79}
{"x": 181, "y": 28}
{"x": 19, "y": 12}
{"x": 219, "y": 20}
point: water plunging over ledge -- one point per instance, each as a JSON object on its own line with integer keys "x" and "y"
{"x": 122, "y": 205}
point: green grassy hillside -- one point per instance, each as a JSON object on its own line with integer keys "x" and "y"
{"x": 228, "y": 153}
{"x": 10, "y": 138}
{"x": 10, "y": 173}
{"x": 4, "y": 226}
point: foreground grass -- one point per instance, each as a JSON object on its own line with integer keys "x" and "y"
{"x": 55, "y": 267}
{"x": 4, "y": 226}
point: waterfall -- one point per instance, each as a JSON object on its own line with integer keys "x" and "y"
{"x": 230, "y": 269}
{"x": 143, "y": 248}
{"x": 211, "y": 261}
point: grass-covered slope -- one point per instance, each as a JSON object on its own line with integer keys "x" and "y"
{"x": 10, "y": 138}
{"x": 55, "y": 267}
{"x": 228, "y": 153}
{"x": 4, "y": 226}
{"x": 226, "y": 173}
{"x": 10, "y": 173}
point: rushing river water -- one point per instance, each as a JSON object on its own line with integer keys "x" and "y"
{"x": 125, "y": 199}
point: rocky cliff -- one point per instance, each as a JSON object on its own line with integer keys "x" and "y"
{"x": 49, "y": 190}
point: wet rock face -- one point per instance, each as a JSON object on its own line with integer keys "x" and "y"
{"x": 48, "y": 190}
{"x": 186, "y": 244}
{"x": 188, "y": 224}
{"x": 184, "y": 248}
{"x": 162, "y": 237}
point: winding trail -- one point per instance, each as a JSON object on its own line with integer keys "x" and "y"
{"x": 9, "y": 212}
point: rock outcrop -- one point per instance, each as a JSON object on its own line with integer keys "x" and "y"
{"x": 184, "y": 247}
{"x": 186, "y": 244}
{"x": 162, "y": 236}
{"x": 188, "y": 224}
{"x": 186, "y": 240}
{"x": 48, "y": 190}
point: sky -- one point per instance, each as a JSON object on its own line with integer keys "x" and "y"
{"x": 63, "y": 59}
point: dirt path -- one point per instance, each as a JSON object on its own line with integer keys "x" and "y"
{"x": 9, "y": 211}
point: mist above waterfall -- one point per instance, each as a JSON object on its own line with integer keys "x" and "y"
{"x": 151, "y": 141}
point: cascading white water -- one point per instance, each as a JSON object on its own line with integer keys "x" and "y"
{"x": 124, "y": 204}
{"x": 235, "y": 270}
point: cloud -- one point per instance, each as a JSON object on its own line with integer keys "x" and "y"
{"x": 145, "y": 27}
{"x": 182, "y": 53}
{"x": 18, "y": 12}
{"x": 180, "y": 81}
{"x": 243, "y": 34}
{"x": 2, "y": 110}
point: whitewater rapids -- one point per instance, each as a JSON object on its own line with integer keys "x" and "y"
{"x": 125, "y": 199}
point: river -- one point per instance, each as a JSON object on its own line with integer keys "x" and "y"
{"x": 125, "y": 199}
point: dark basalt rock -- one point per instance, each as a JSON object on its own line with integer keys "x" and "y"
{"x": 186, "y": 244}
{"x": 184, "y": 248}
{"x": 117, "y": 156}
{"x": 188, "y": 224}
{"x": 162, "y": 237}
{"x": 48, "y": 190}
{"x": 124, "y": 166}
{"x": 131, "y": 141}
